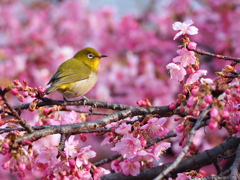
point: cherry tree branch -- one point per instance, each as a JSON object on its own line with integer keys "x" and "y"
{"x": 94, "y": 104}
{"x": 199, "y": 51}
{"x": 193, "y": 163}
{"x": 162, "y": 111}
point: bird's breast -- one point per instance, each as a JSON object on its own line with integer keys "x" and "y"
{"x": 81, "y": 87}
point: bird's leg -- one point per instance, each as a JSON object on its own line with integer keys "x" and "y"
{"x": 85, "y": 99}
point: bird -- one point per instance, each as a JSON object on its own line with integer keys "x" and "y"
{"x": 77, "y": 75}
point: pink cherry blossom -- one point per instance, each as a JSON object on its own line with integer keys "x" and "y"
{"x": 161, "y": 148}
{"x": 206, "y": 81}
{"x": 145, "y": 156}
{"x": 177, "y": 72}
{"x": 115, "y": 165}
{"x": 155, "y": 127}
{"x": 47, "y": 155}
{"x": 185, "y": 28}
{"x": 99, "y": 172}
{"x": 195, "y": 76}
{"x": 71, "y": 146}
{"x": 128, "y": 146}
{"x": 130, "y": 167}
{"x": 83, "y": 156}
{"x": 123, "y": 128}
{"x": 185, "y": 57}
{"x": 82, "y": 174}
{"x": 182, "y": 176}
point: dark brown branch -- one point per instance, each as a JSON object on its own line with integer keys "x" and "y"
{"x": 96, "y": 104}
{"x": 86, "y": 112}
{"x": 198, "y": 51}
{"x": 213, "y": 178}
{"x": 163, "y": 111}
{"x": 193, "y": 163}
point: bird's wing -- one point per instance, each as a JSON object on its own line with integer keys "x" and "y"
{"x": 70, "y": 75}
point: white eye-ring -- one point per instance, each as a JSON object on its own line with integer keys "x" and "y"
{"x": 90, "y": 56}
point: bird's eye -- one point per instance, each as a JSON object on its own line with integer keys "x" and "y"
{"x": 90, "y": 56}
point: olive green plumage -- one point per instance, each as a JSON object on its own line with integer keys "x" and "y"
{"x": 76, "y": 76}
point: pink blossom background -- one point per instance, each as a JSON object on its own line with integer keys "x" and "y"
{"x": 36, "y": 37}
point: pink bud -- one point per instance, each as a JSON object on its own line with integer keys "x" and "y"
{"x": 33, "y": 95}
{"x": 72, "y": 162}
{"x": 22, "y": 167}
{"x": 46, "y": 111}
{"x": 20, "y": 98}
{"x": 25, "y": 94}
{"x": 194, "y": 91}
{"x": 141, "y": 103}
{"x": 185, "y": 91}
{"x": 5, "y": 145}
{"x": 143, "y": 141}
{"x": 172, "y": 106}
{"x": 208, "y": 98}
{"x": 83, "y": 137}
{"x": 227, "y": 91}
{"x": 225, "y": 114}
{"x": 212, "y": 124}
{"x": 14, "y": 91}
{"x": 192, "y": 45}
{"x": 16, "y": 82}
{"x": 41, "y": 90}
{"x": 27, "y": 142}
{"x": 214, "y": 112}
{"x": 88, "y": 166}
{"x": 182, "y": 109}
{"x": 6, "y": 165}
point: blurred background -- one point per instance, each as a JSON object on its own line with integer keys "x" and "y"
{"x": 137, "y": 35}
{"x": 37, "y": 36}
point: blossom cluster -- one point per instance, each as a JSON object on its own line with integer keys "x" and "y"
{"x": 130, "y": 141}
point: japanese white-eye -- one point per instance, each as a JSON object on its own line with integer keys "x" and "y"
{"x": 76, "y": 76}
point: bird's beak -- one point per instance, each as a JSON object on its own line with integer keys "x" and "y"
{"x": 103, "y": 56}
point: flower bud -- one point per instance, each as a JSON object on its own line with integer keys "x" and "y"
{"x": 14, "y": 91}
{"x": 192, "y": 45}
{"x": 214, "y": 112}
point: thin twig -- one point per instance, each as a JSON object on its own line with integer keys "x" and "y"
{"x": 235, "y": 166}
{"x": 198, "y": 51}
{"x": 14, "y": 113}
{"x": 186, "y": 148}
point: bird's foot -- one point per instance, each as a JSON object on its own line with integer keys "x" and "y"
{"x": 85, "y": 99}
